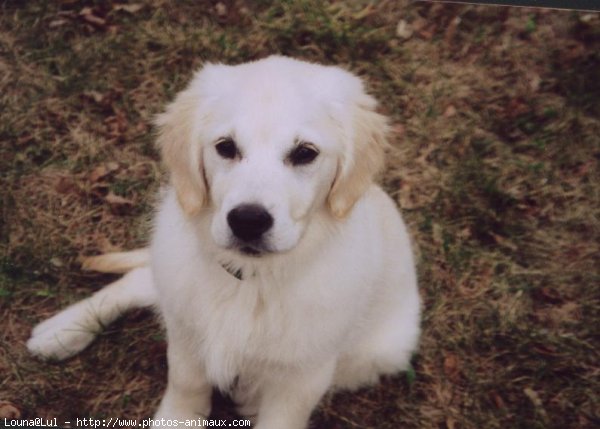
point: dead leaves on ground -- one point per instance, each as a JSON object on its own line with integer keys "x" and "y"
{"x": 98, "y": 186}
{"x": 118, "y": 126}
{"x": 93, "y": 18}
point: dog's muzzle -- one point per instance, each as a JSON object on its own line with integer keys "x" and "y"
{"x": 249, "y": 223}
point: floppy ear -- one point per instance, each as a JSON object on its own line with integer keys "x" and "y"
{"x": 181, "y": 151}
{"x": 363, "y": 159}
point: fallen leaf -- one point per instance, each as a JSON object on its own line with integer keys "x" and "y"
{"x": 117, "y": 125}
{"x": 364, "y": 13}
{"x": 546, "y": 294}
{"x": 419, "y": 24}
{"x": 98, "y": 173}
{"x": 398, "y": 130}
{"x": 428, "y": 33}
{"x": 65, "y": 185}
{"x": 102, "y": 171}
{"x": 9, "y": 411}
{"x": 112, "y": 166}
{"x": 94, "y": 95}
{"x": 88, "y": 16}
{"x": 516, "y": 107}
{"x": 450, "y": 111}
{"x": 534, "y": 81}
{"x": 588, "y": 17}
{"x": 533, "y": 396}
{"x": 451, "y": 367}
{"x": 24, "y": 140}
{"x": 58, "y": 23}
{"x": 535, "y": 399}
{"x": 57, "y": 262}
{"x": 498, "y": 401}
{"x": 129, "y": 8}
{"x": 451, "y": 30}
{"x": 556, "y": 316}
{"x": 221, "y": 9}
{"x": 404, "y": 30}
{"x": 504, "y": 242}
{"x": 115, "y": 199}
{"x": 437, "y": 233}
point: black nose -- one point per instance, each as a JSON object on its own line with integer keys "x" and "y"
{"x": 249, "y": 222}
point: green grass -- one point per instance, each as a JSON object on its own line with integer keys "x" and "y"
{"x": 494, "y": 164}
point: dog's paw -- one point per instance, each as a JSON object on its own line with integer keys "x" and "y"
{"x": 63, "y": 335}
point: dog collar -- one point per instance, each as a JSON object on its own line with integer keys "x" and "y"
{"x": 238, "y": 274}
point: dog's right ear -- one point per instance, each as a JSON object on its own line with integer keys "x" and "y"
{"x": 364, "y": 156}
{"x": 182, "y": 154}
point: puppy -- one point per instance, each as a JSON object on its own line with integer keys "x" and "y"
{"x": 279, "y": 268}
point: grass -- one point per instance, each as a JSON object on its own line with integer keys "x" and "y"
{"x": 495, "y": 166}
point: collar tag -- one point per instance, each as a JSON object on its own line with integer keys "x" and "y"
{"x": 238, "y": 274}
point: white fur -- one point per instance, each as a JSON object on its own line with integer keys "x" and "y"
{"x": 74, "y": 328}
{"x": 333, "y": 302}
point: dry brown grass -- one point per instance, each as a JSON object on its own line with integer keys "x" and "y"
{"x": 497, "y": 149}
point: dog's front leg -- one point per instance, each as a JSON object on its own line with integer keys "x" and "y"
{"x": 188, "y": 394}
{"x": 288, "y": 398}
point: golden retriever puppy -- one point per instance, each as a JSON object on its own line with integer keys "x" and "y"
{"x": 279, "y": 268}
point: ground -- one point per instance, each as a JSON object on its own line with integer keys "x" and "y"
{"x": 494, "y": 163}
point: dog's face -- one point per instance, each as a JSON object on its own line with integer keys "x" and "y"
{"x": 265, "y": 145}
{"x": 268, "y": 166}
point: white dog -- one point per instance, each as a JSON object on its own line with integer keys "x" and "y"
{"x": 279, "y": 268}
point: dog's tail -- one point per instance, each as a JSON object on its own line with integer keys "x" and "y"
{"x": 74, "y": 328}
{"x": 117, "y": 262}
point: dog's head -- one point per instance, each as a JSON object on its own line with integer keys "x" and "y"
{"x": 267, "y": 144}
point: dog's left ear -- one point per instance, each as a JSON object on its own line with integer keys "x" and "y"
{"x": 181, "y": 154}
{"x": 364, "y": 156}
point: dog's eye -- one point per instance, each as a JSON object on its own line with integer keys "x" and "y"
{"x": 303, "y": 154}
{"x": 226, "y": 148}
